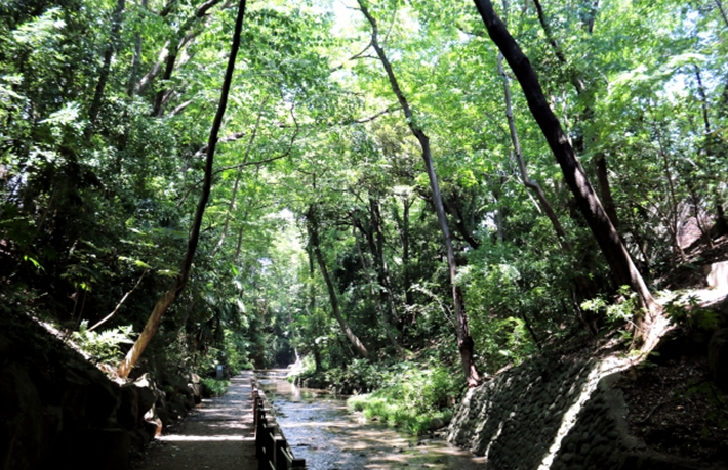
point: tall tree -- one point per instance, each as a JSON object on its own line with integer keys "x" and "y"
{"x": 168, "y": 298}
{"x": 106, "y": 68}
{"x": 623, "y": 268}
{"x": 313, "y": 232}
{"x": 464, "y": 340}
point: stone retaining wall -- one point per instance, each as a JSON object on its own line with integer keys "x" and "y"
{"x": 551, "y": 414}
{"x": 58, "y": 411}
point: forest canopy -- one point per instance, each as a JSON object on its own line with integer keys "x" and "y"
{"x": 459, "y": 182}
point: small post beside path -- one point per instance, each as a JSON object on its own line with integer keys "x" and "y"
{"x": 271, "y": 448}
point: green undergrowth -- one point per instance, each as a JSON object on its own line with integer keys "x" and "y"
{"x": 214, "y": 387}
{"x": 415, "y": 399}
{"x": 360, "y": 376}
{"x": 415, "y": 396}
{"x": 394, "y": 412}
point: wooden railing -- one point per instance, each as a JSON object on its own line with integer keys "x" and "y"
{"x": 271, "y": 448}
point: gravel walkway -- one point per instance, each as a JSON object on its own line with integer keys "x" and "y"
{"x": 219, "y": 435}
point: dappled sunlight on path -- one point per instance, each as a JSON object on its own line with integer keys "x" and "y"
{"x": 219, "y": 435}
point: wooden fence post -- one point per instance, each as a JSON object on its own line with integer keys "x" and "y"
{"x": 271, "y": 450}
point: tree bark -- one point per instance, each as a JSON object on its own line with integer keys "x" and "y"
{"x": 606, "y": 190}
{"x": 453, "y": 207}
{"x": 464, "y": 340}
{"x": 495, "y": 190}
{"x": 601, "y": 161}
{"x": 529, "y": 183}
{"x": 312, "y": 218}
{"x": 404, "y": 238}
{"x": 673, "y": 215}
{"x": 573, "y": 78}
{"x": 311, "y": 308}
{"x": 383, "y": 274}
{"x": 171, "y": 295}
{"x": 93, "y": 112}
{"x": 620, "y": 262}
{"x": 383, "y": 319}
{"x": 582, "y": 288}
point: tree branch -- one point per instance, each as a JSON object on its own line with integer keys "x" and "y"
{"x": 246, "y": 163}
{"x": 107, "y": 317}
{"x": 389, "y": 110}
{"x": 354, "y": 57}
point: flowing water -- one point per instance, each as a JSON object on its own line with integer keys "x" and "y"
{"x": 320, "y": 429}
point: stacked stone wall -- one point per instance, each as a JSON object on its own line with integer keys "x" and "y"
{"x": 552, "y": 414}
{"x": 58, "y": 411}
{"x": 515, "y": 418}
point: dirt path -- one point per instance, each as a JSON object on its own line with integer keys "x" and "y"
{"x": 217, "y": 436}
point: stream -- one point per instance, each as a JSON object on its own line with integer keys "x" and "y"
{"x": 320, "y": 429}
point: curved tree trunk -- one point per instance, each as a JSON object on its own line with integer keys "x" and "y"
{"x": 464, "y": 340}
{"x": 527, "y": 182}
{"x": 180, "y": 283}
{"x": 314, "y": 237}
{"x": 582, "y": 288}
{"x": 382, "y": 317}
{"x": 623, "y": 268}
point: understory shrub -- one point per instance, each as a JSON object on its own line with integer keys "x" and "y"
{"x": 411, "y": 397}
{"x": 102, "y": 348}
{"x": 214, "y": 387}
{"x": 360, "y": 376}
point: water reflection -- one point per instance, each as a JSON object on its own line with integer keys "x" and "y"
{"x": 321, "y": 430}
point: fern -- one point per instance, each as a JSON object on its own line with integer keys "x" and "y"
{"x": 102, "y": 347}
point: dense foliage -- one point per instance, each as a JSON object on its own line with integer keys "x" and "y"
{"x": 106, "y": 107}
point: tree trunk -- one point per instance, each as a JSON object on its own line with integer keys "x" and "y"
{"x": 529, "y": 183}
{"x": 314, "y": 237}
{"x": 620, "y": 262}
{"x": 383, "y": 319}
{"x": 721, "y": 223}
{"x": 573, "y": 77}
{"x": 169, "y": 297}
{"x": 495, "y": 190}
{"x": 582, "y": 288}
{"x": 722, "y": 11}
{"x": 93, "y": 112}
{"x": 704, "y": 231}
{"x": 382, "y": 267}
{"x": 311, "y": 309}
{"x": 601, "y": 162}
{"x": 673, "y": 215}
{"x": 464, "y": 340}
{"x": 136, "y": 59}
{"x": 606, "y": 190}
{"x": 453, "y": 207}
{"x": 403, "y": 228}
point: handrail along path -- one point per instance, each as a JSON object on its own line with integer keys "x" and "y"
{"x": 271, "y": 447}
